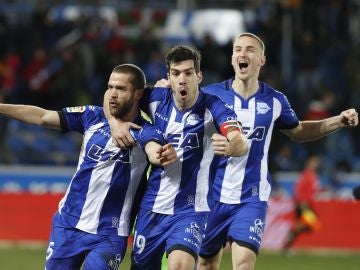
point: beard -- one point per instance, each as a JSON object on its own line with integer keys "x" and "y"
{"x": 122, "y": 109}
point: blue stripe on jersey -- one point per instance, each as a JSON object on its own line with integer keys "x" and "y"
{"x": 100, "y": 196}
{"x": 184, "y": 185}
{"x": 251, "y": 189}
{"x": 242, "y": 179}
{"x": 192, "y": 140}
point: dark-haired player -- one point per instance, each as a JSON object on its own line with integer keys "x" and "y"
{"x": 94, "y": 217}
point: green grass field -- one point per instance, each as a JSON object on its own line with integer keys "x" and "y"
{"x": 25, "y": 258}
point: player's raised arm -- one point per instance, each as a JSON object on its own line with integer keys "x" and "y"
{"x": 313, "y": 130}
{"x": 231, "y": 141}
{"x": 161, "y": 155}
{"x": 162, "y": 83}
{"x": 31, "y": 115}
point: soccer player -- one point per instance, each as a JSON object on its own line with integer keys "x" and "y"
{"x": 305, "y": 190}
{"x": 176, "y": 204}
{"x": 242, "y": 185}
{"x": 94, "y": 218}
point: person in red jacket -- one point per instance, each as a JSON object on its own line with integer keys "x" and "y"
{"x": 305, "y": 190}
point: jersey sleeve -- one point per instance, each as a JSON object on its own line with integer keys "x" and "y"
{"x": 216, "y": 88}
{"x": 78, "y": 118}
{"x": 152, "y": 95}
{"x": 222, "y": 114}
{"x": 288, "y": 118}
{"x": 147, "y": 133}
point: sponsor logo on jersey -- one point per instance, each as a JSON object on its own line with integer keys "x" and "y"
{"x": 114, "y": 263}
{"x": 262, "y": 108}
{"x": 194, "y": 230}
{"x": 256, "y": 134}
{"x": 161, "y": 116}
{"x": 104, "y": 132}
{"x": 190, "y": 140}
{"x": 98, "y": 153}
{"x": 78, "y": 109}
{"x": 258, "y": 227}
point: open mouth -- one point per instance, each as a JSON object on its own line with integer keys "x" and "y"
{"x": 183, "y": 93}
{"x": 112, "y": 103}
{"x": 243, "y": 66}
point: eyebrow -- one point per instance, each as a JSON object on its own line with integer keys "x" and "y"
{"x": 184, "y": 70}
{"x": 249, "y": 46}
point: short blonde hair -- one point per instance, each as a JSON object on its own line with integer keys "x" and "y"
{"x": 248, "y": 34}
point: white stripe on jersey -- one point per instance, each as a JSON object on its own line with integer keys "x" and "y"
{"x": 171, "y": 177}
{"x": 234, "y": 175}
{"x": 82, "y": 154}
{"x": 137, "y": 157}
{"x": 98, "y": 188}
{"x": 235, "y": 167}
{"x": 202, "y": 181}
{"x": 152, "y": 108}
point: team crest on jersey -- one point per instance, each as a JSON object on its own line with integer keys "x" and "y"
{"x": 192, "y": 119}
{"x": 78, "y": 109}
{"x": 262, "y": 108}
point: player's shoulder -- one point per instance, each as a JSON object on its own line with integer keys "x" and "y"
{"x": 209, "y": 96}
{"x": 91, "y": 114}
{"x": 269, "y": 90}
{"x": 158, "y": 90}
{"x": 83, "y": 109}
{"x": 213, "y": 88}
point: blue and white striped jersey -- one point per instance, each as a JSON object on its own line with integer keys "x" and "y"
{"x": 184, "y": 185}
{"x": 101, "y": 194}
{"x": 246, "y": 178}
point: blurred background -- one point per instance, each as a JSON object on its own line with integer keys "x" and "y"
{"x": 60, "y": 53}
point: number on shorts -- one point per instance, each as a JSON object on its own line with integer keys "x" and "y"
{"x": 49, "y": 250}
{"x": 139, "y": 242}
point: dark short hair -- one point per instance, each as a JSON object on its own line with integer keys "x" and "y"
{"x": 182, "y": 53}
{"x": 138, "y": 79}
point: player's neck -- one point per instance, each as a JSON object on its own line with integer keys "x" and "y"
{"x": 131, "y": 116}
{"x": 245, "y": 88}
{"x": 186, "y": 104}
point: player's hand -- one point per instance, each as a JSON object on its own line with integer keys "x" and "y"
{"x": 220, "y": 145}
{"x": 349, "y": 118}
{"x": 120, "y": 133}
{"x": 166, "y": 154}
{"x": 162, "y": 83}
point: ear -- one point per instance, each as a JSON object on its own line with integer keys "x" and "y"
{"x": 262, "y": 60}
{"x": 138, "y": 94}
{"x": 200, "y": 76}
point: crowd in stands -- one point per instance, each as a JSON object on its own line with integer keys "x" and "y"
{"x": 53, "y": 63}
